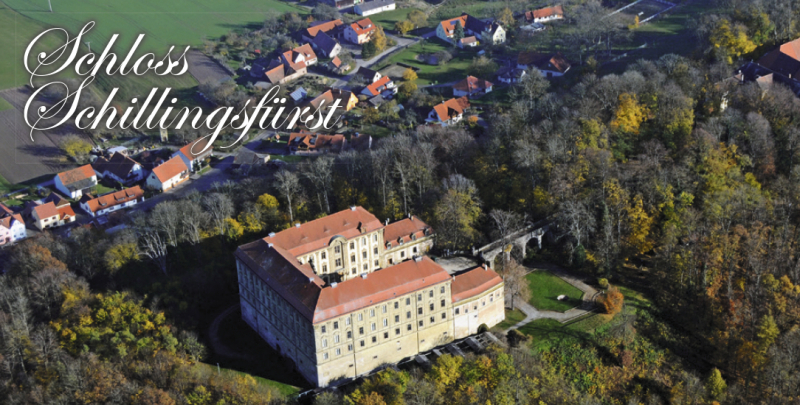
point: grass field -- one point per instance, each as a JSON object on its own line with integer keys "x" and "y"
{"x": 453, "y": 70}
{"x": 546, "y": 287}
{"x": 546, "y": 331}
{"x": 387, "y": 19}
{"x": 285, "y": 389}
{"x": 513, "y": 317}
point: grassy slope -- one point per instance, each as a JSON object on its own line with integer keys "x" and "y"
{"x": 545, "y": 287}
{"x": 387, "y": 19}
{"x": 513, "y": 317}
{"x": 285, "y": 389}
{"x": 453, "y": 70}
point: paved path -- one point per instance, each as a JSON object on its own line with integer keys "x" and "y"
{"x": 341, "y": 82}
{"x": 213, "y": 336}
{"x": 532, "y": 314}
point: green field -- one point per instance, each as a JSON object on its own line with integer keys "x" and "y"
{"x": 285, "y": 389}
{"x": 387, "y": 19}
{"x": 546, "y": 331}
{"x": 513, "y": 317}
{"x": 177, "y": 22}
{"x": 546, "y": 287}
{"x": 452, "y": 71}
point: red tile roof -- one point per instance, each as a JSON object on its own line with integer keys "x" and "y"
{"x": 792, "y": 49}
{"x": 472, "y": 83}
{"x": 75, "y": 175}
{"x": 362, "y": 27}
{"x": 325, "y": 26}
{"x": 544, "y": 12}
{"x": 336, "y": 61}
{"x": 454, "y": 106}
{"x": 297, "y": 58}
{"x": 404, "y": 229}
{"x": 5, "y": 210}
{"x": 276, "y": 74}
{"x": 316, "y": 234}
{"x": 474, "y": 282}
{"x": 46, "y": 210}
{"x": 450, "y": 25}
{"x": 544, "y": 61}
{"x": 170, "y": 169}
{"x": 111, "y": 199}
{"x": 379, "y": 286}
{"x": 193, "y": 149}
{"x": 378, "y": 86}
{"x": 8, "y": 221}
{"x": 65, "y": 212}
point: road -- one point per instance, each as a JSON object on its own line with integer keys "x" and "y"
{"x": 341, "y": 82}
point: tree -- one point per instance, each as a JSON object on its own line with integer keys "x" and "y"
{"x": 482, "y": 67}
{"x": 320, "y": 173}
{"x": 409, "y": 75}
{"x": 233, "y": 229}
{"x": 730, "y": 42}
{"x": 288, "y": 185}
{"x": 220, "y": 207}
{"x": 119, "y": 255}
{"x": 531, "y": 87}
{"x": 458, "y": 32}
{"x": 629, "y": 116}
{"x": 506, "y": 18}
{"x": 418, "y": 17}
{"x": 75, "y": 147}
{"x": 715, "y": 385}
{"x": 506, "y": 222}
{"x": 403, "y": 27}
{"x": 639, "y": 224}
{"x": 457, "y": 212}
{"x": 515, "y": 283}
{"x": 613, "y": 300}
{"x": 324, "y": 12}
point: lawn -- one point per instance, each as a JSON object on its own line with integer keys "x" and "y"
{"x": 285, "y": 389}
{"x": 287, "y": 158}
{"x": 100, "y": 189}
{"x": 546, "y": 331}
{"x": 513, "y": 317}
{"x": 546, "y": 287}
{"x": 453, "y": 70}
{"x": 387, "y": 19}
{"x": 6, "y": 186}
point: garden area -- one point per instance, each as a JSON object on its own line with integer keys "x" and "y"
{"x": 443, "y": 72}
{"x": 513, "y": 317}
{"x": 545, "y": 288}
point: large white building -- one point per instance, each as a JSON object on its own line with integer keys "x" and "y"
{"x": 374, "y": 7}
{"x": 345, "y": 294}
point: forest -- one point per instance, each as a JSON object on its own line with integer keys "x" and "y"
{"x": 669, "y": 179}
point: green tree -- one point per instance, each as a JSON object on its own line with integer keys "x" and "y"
{"x": 233, "y": 229}
{"x": 118, "y": 256}
{"x": 715, "y": 385}
{"x": 409, "y": 75}
{"x": 403, "y": 27}
{"x": 767, "y": 333}
{"x": 629, "y": 116}
{"x": 730, "y": 42}
{"x": 482, "y": 67}
{"x": 419, "y": 18}
{"x": 75, "y": 147}
{"x": 458, "y": 32}
{"x": 407, "y": 89}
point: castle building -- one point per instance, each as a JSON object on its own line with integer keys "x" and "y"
{"x": 345, "y": 294}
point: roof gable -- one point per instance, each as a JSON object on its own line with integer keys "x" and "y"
{"x": 76, "y": 175}
{"x": 473, "y": 282}
{"x": 170, "y": 169}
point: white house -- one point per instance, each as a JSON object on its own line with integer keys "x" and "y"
{"x": 551, "y": 65}
{"x": 49, "y": 216}
{"x": 448, "y": 112}
{"x": 75, "y": 182}
{"x": 168, "y": 174}
{"x": 472, "y": 86}
{"x": 96, "y": 206}
{"x": 119, "y": 168}
{"x": 487, "y": 31}
{"x": 544, "y": 14}
{"x": 12, "y": 227}
{"x": 384, "y": 86}
{"x": 192, "y": 154}
{"x": 360, "y": 32}
{"x": 374, "y": 7}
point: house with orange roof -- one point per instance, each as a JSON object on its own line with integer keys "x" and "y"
{"x": 12, "y": 226}
{"x": 117, "y": 200}
{"x": 307, "y": 142}
{"x": 471, "y": 87}
{"x": 48, "y": 215}
{"x": 544, "y": 14}
{"x": 485, "y": 30}
{"x": 318, "y": 27}
{"x": 318, "y": 294}
{"x": 781, "y": 65}
{"x": 347, "y": 100}
{"x": 383, "y": 86}
{"x": 360, "y": 32}
{"x": 337, "y": 66}
{"x": 119, "y": 168}
{"x": 195, "y": 153}
{"x": 73, "y": 183}
{"x": 448, "y": 112}
{"x": 168, "y": 175}
{"x": 407, "y": 238}
{"x": 550, "y": 65}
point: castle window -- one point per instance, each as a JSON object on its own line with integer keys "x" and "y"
{"x": 325, "y": 356}
{"x": 363, "y": 241}
{"x": 441, "y": 290}
{"x": 338, "y": 262}
{"x": 352, "y": 258}
{"x": 491, "y": 297}
{"x": 444, "y": 315}
{"x": 419, "y": 311}
{"x": 337, "y": 249}
{"x": 375, "y": 238}
{"x": 397, "y": 331}
{"x": 430, "y": 293}
{"x": 402, "y": 254}
{"x": 421, "y": 323}
{"x": 335, "y": 325}
{"x": 385, "y": 322}
{"x": 483, "y": 303}
{"x": 336, "y": 339}
{"x": 374, "y": 339}
{"x": 377, "y": 263}
{"x": 347, "y": 321}
{"x": 408, "y": 301}
{"x": 349, "y": 348}
{"x": 353, "y": 271}
{"x": 408, "y": 315}
{"x": 384, "y": 308}
{"x": 419, "y": 297}
{"x": 323, "y": 328}
{"x": 323, "y": 256}
{"x": 442, "y": 303}
{"x": 397, "y": 319}
{"x": 372, "y": 327}
{"x": 352, "y": 245}
{"x": 324, "y": 342}
{"x": 408, "y": 327}
{"x": 372, "y": 312}
{"x": 362, "y": 343}
{"x": 458, "y": 310}
{"x": 366, "y": 266}
{"x": 324, "y": 268}
{"x": 414, "y": 249}
{"x": 431, "y": 307}
{"x": 349, "y": 334}
{"x": 360, "y": 317}
{"x": 396, "y": 304}
{"x": 375, "y": 251}
{"x": 361, "y": 330}
{"x": 338, "y": 351}
{"x": 433, "y": 319}
{"x": 364, "y": 254}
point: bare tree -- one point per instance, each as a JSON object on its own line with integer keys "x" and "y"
{"x": 289, "y": 186}
{"x": 506, "y": 223}
{"x": 153, "y": 246}
{"x": 166, "y": 218}
{"x": 219, "y": 208}
{"x": 320, "y": 173}
{"x": 577, "y": 219}
{"x": 193, "y": 219}
{"x": 381, "y": 164}
{"x": 515, "y": 283}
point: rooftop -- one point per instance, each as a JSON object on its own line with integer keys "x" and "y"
{"x": 170, "y": 169}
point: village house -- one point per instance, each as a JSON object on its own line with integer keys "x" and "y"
{"x": 168, "y": 175}
{"x": 12, "y": 226}
{"x": 298, "y": 95}
{"x": 468, "y": 42}
{"x": 471, "y": 87}
{"x": 193, "y": 154}
{"x": 337, "y": 66}
{"x": 312, "y": 143}
{"x": 289, "y": 66}
{"x": 347, "y": 100}
{"x": 319, "y": 295}
{"x": 551, "y": 65}
{"x": 246, "y": 160}
{"x": 511, "y": 76}
{"x": 342, "y": 4}
{"x": 384, "y": 87}
{"x": 448, "y": 112}
{"x": 73, "y": 183}
{"x": 119, "y": 168}
{"x": 318, "y": 27}
{"x": 47, "y": 215}
{"x": 371, "y": 76}
{"x": 374, "y": 7}
{"x": 117, "y": 200}
{"x": 781, "y": 65}
{"x": 490, "y": 32}
{"x": 326, "y": 45}
{"x": 360, "y": 32}
{"x": 544, "y": 15}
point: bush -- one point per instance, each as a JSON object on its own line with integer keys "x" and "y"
{"x": 516, "y": 338}
{"x": 613, "y": 300}
{"x": 483, "y": 328}
{"x": 602, "y": 282}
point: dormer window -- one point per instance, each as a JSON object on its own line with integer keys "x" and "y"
{"x": 413, "y": 237}
{"x": 388, "y": 245}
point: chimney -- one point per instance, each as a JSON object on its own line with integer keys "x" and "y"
{"x": 271, "y": 234}
{"x": 387, "y": 222}
{"x": 485, "y": 267}
{"x": 297, "y": 225}
{"x": 417, "y": 259}
{"x": 334, "y": 284}
{"x": 352, "y": 208}
{"x": 364, "y": 275}
{"x": 409, "y": 215}
{"x": 269, "y": 245}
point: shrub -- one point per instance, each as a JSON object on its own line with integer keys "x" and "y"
{"x": 602, "y": 282}
{"x": 613, "y": 300}
{"x": 516, "y": 338}
{"x": 483, "y": 328}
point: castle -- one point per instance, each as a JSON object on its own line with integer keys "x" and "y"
{"x": 345, "y": 294}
